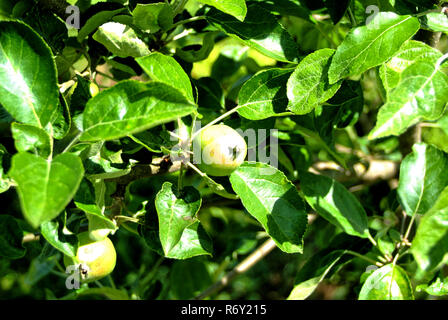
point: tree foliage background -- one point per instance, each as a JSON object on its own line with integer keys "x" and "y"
{"x": 357, "y": 207}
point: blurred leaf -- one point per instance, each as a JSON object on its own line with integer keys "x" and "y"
{"x": 10, "y": 238}
{"x": 188, "y": 279}
{"x": 273, "y": 200}
{"x": 109, "y": 293}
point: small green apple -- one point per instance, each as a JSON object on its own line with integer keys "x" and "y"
{"x": 223, "y": 150}
{"x": 96, "y": 259}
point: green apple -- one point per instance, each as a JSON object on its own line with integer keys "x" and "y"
{"x": 96, "y": 259}
{"x": 223, "y": 150}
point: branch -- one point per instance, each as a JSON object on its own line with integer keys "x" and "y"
{"x": 139, "y": 171}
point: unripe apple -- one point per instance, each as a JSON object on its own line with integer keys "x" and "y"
{"x": 93, "y": 88}
{"x": 96, "y": 259}
{"x": 223, "y": 150}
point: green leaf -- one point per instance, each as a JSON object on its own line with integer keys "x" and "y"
{"x": 176, "y": 211}
{"x": 130, "y": 107}
{"x": 335, "y": 203}
{"x": 121, "y": 40}
{"x": 274, "y": 201}
{"x": 194, "y": 242}
{"x": 95, "y": 21}
{"x": 264, "y": 95}
{"x": 435, "y": 21}
{"x": 420, "y": 95}
{"x": 438, "y": 287}
{"x": 423, "y": 175}
{"x": 31, "y": 138}
{"x": 260, "y": 30}
{"x": 387, "y": 283}
{"x": 28, "y": 85}
{"x": 308, "y": 86}
{"x": 162, "y": 68}
{"x": 45, "y": 187}
{"x": 411, "y": 52}
{"x": 50, "y": 231}
{"x": 152, "y": 17}
{"x": 236, "y": 8}
{"x": 431, "y": 239}
{"x": 10, "y": 238}
{"x": 369, "y": 46}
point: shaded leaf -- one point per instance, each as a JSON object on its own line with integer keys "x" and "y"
{"x": 10, "y": 238}
{"x": 260, "y": 30}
